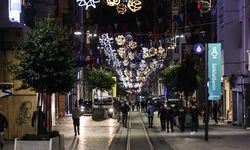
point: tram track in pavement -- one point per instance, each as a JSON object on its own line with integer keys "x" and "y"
{"x": 137, "y": 134}
{"x": 137, "y": 137}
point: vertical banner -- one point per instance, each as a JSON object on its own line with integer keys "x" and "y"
{"x": 165, "y": 91}
{"x": 114, "y": 88}
{"x": 214, "y": 71}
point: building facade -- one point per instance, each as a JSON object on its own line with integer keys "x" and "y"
{"x": 233, "y": 34}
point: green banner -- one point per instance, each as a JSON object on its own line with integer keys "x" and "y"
{"x": 214, "y": 71}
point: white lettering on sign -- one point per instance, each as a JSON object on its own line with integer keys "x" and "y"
{"x": 214, "y": 72}
{"x": 214, "y": 53}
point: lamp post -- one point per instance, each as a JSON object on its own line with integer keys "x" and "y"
{"x": 79, "y": 34}
{"x": 180, "y": 39}
{"x": 78, "y": 84}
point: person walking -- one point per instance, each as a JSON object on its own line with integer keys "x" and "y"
{"x": 162, "y": 115}
{"x": 181, "y": 116}
{"x": 41, "y": 120}
{"x": 142, "y": 106}
{"x": 150, "y": 112}
{"x": 205, "y": 112}
{"x": 194, "y": 114}
{"x": 215, "y": 112}
{"x": 169, "y": 114}
{"x": 137, "y": 103}
{"x": 3, "y": 126}
{"x": 133, "y": 105}
{"x": 125, "y": 109}
{"x": 76, "y": 113}
{"x": 118, "y": 107}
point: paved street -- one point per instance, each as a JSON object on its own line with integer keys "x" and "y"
{"x": 94, "y": 135}
{"x": 98, "y": 136}
{"x": 221, "y": 137}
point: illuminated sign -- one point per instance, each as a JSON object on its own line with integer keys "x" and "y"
{"x": 14, "y": 10}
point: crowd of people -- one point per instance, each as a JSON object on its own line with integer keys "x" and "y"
{"x": 168, "y": 114}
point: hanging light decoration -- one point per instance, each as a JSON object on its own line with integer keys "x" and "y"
{"x": 204, "y": 5}
{"x": 123, "y": 5}
{"x": 87, "y": 3}
{"x": 132, "y": 68}
{"x": 134, "y": 5}
{"x": 132, "y": 44}
{"x": 120, "y": 40}
{"x": 113, "y": 2}
{"x": 121, "y": 51}
{"x": 121, "y": 8}
{"x": 152, "y": 51}
{"x": 131, "y": 55}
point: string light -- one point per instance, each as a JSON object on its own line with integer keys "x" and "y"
{"x": 131, "y": 73}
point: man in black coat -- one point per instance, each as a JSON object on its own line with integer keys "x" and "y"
{"x": 215, "y": 111}
{"x": 41, "y": 120}
{"x": 194, "y": 114}
{"x": 125, "y": 109}
{"x": 170, "y": 116}
{"x": 162, "y": 115}
{"x": 181, "y": 117}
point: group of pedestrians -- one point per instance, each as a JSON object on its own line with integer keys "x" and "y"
{"x": 121, "y": 111}
{"x": 167, "y": 114}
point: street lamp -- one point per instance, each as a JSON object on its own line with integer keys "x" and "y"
{"x": 77, "y": 33}
{"x": 180, "y": 39}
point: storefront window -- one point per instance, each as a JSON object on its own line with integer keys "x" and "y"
{"x": 14, "y": 10}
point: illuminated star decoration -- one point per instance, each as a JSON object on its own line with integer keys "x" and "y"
{"x": 88, "y": 3}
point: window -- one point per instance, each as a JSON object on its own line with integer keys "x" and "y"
{"x": 14, "y": 10}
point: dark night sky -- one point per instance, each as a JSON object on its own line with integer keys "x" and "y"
{"x": 105, "y": 15}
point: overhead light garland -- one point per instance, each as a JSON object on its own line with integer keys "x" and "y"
{"x": 133, "y": 64}
{"x": 121, "y": 7}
